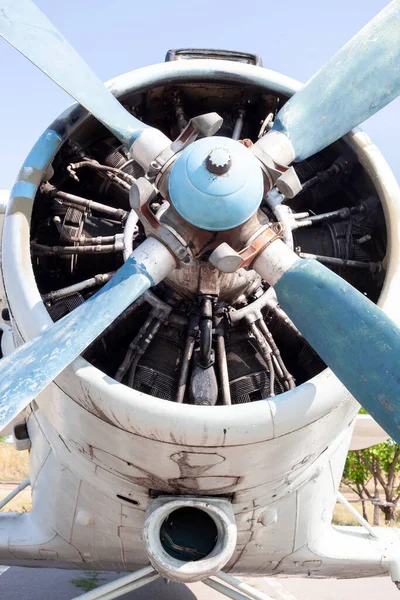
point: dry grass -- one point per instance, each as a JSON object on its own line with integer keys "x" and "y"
{"x": 341, "y": 516}
{"x": 19, "y": 504}
{"x": 13, "y": 464}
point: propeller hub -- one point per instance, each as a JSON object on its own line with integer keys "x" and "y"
{"x": 218, "y": 161}
{"x": 216, "y": 184}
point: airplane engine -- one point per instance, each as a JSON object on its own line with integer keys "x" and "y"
{"x": 203, "y": 389}
{"x": 204, "y": 337}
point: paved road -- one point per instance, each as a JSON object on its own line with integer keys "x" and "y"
{"x": 55, "y": 584}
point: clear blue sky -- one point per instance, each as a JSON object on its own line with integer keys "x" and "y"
{"x": 114, "y": 36}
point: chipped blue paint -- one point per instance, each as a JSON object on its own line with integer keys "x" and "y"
{"x": 23, "y": 189}
{"x": 353, "y": 85}
{"x": 69, "y": 119}
{"x": 45, "y": 148}
{"x": 355, "y": 338}
{"x": 26, "y": 28}
{"x": 34, "y": 169}
{"x": 216, "y": 202}
{"x": 28, "y": 370}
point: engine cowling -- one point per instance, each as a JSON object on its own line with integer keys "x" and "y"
{"x": 156, "y": 439}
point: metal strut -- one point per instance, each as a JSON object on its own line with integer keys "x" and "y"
{"x": 15, "y": 492}
{"x": 229, "y": 586}
{"x": 240, "y": 591}
{"x": 120, "y": 587}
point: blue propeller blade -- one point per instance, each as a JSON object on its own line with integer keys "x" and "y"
{"x": 353, "y": 85}
{"x": 28, "y": 370}
{"x": 26, "y": 28}
{"x": 355, "y": 338}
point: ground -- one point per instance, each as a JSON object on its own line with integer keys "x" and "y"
{"x": 56, "y": 584}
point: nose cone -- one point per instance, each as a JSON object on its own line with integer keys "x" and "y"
{"x": 216, "y": 184}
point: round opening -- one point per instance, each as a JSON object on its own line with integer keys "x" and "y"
{"x": 188, "y": 534}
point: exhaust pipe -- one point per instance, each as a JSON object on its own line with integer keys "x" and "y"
{"x": 188, "y": 538}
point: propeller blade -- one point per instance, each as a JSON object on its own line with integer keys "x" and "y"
{"x": 28, "y": 370}
{"x": 26, "y": 28}
{"x": 355, "y": 338}
{"x": 353, "y": 85}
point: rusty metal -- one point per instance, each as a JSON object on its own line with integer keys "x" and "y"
{"x": 262, "y": 241}
{"x": 200, "y": 277}
{"x": 203, "y": 241}
{"x": 246, "y": 142}
{"x": 142, "y": 193}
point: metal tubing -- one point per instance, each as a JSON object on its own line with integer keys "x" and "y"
{"x": 142, "y": 346}
{"x": 275, "y": 350}
{"x": 278, "y": 369}
{"x": 357, "y": 515}
{"x": 148, "y": 297}
{"x": 97, "y": 166}
{"x": 104, "y": 592}
{"x": 116, "y": 213}
{"x": 241, "y": 586}
{"x": 333, "y": 215}
{"x": 223, "y": 369}
{"x": 186, "y": 358}
{"x": 227, "y": 591}
{"x": 267, "y": 299}
{"x": 280, "y": 313}
{"x": 83, "y": 239}
{"x": 373, "y": 267}
{"x": 158, "y": 315}
{"x": 41, "y": 250}
{"x": 131, "y": 309}
{"x": 132, "y": 370}
{"x": 15, "y": 492}
{"x": 126, "y": 363}
{"x": 237, "y": 132}
{"x": 148, "y": 265}
{"x": 253, "y": 311}
{"x": 78, "y": 287}
{"x": 266, "y": 352}
{"x": 129, "y": 587}
{"x": 129, "y": 232}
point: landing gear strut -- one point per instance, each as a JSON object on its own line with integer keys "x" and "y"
{"x": 225, "y": 584}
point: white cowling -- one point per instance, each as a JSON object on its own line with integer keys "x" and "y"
{"x": 186, "y": 571}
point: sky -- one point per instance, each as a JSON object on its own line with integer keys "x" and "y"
{"x": 115, "y": 36}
